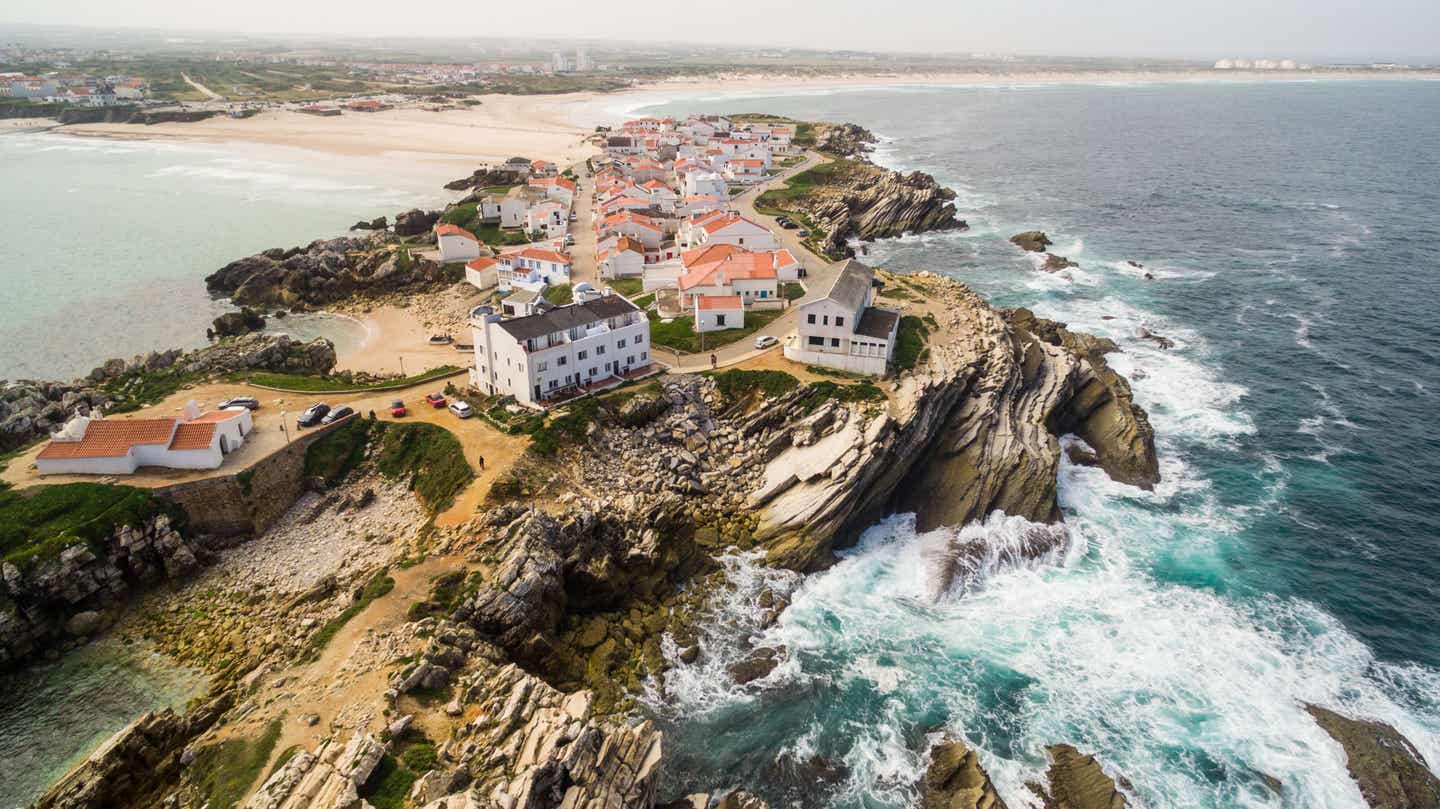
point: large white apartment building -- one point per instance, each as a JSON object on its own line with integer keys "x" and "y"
{"x": 557, "y": 352}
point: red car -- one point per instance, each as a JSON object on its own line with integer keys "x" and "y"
{"x": 397, "y": 409}
{"x": 436, "y": 400}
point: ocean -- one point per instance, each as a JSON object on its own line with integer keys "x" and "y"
{"x": 1291, "y": 553}
{"x": 111, "y": 240}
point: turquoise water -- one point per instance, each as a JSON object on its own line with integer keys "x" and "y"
{"x": 109, "y": 242}
{"x": 54, "y": 714}
{"x": 1292, "y": 552}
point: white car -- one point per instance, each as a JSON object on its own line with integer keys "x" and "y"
{"x": 462, "y": 410}
{"x": 765, "y": 341}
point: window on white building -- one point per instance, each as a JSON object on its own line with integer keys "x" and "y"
{"x": 839, "y": 321}
{"x": 620, "y": 343}
{"x": 582, "y": 355}
{"x": 561, "y": 360}
{"x": 816, "y": 341}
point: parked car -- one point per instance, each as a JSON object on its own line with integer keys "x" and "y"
{"x": 573, "y": 217}
{"x": 462, "y": 410}
{"x": 802, "y": 233}
{"x": 337, "y": 414}
{"x": 397, "y": 409}
{"x": 247, "y": 402}
{"x": 788, "y": 225}
{"x": 765, "y": 341}
{"x": 313, "y": 414}
{"x": 436, "y": 400}
{"x": 569, "y": 240}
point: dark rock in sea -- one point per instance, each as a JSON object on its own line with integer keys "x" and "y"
{"x": 487, "y": 178}
{"x": 1145, "y": 334}
{"x": 1390, "y": 772}
{"x": 279, "y": 313}
{"x": 1076, "y": 781}
{"x": 1054, "y": 263}
{"x": 1031, "y": 241}
{"x": 324, "y": 271}
{"x": 1149, "y": 277}
{"x": 955, "y": 780}
{"x": 1137, "y": 265}
{"x": 414, "y": 222}
{"x": 757, "y": 665}
{"x": 378, "y": 223}
{"x": 740, "y": 799}
{"x": 1081, "y": 456}
{"x": 232, "y": 324}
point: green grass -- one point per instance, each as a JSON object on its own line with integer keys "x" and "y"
{"x": 419, "y": 758}
{"x": 137, "y": 389}
{"x": 560, "y": 294}
{"x": 737, "y": 383}
{"x": 910, "y": 342}
{"x": 446, "y": 593}
{"x": 565, "y": 425}
{"x": 39, "y": 522}
{"x": 644, "y": 301}
{"x": 826, "y": 390}
{"x": 461, "y": 214}
{"x": 224, "y": 772}
{"x": 298, "y": 383}
{"x": 626, "y": 286}
{"x": 377, "y": 586}
{"x": 388, "y": 785}
{"x": 680, "y": 334}
{"x": 792, "y": 291}
{"x": 428, "y": 455}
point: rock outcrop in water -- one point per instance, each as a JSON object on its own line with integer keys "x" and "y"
{"x": 971, "y": 431}
{"x": 1390, "y": 772}
{"x": 955, "y": 780}
{"x": 328, "y": 270}
{"x": 1031, "y": 241}
{"x": 1077, "y": 781}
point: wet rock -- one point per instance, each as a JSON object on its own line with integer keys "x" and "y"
{"x": 1386, "y": 766}
{"x": 232, "y": 324}
{"x": 740, "y": 799}
{"x": 955, "y": 780}
{"x": 85, "y": 623}
{"x": 1031, "y": 241}
{"x": 757, "y": 665}
{"x": 1054, "y": 263}
{"x": 378, "y": 223}
{"x": 415, "y": 222}
{"x": 1076, "y": 781}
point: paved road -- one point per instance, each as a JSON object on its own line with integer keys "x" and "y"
{"x": 582, "y": 253}
{"x": 820, "y": 274}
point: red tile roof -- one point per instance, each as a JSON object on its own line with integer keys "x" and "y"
{"x": 218, "y": 416}
{"x": 708, "y": 302}
{"x": 539, "y": 254}
{"x": 454, "y": 230}
{"x": 111, "y": 438}
{"x": 481, "y": 263}
{"x": 193, "y": 435}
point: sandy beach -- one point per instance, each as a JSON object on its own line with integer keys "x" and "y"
{"x": 553, "y": 127}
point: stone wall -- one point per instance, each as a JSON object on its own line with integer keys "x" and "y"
{"x": 249, "y": 501}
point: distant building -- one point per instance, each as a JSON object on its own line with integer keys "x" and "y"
{"x": 559, "y": 352}
{"x": 842, "y": 330}
{"x": 91, "y": 446}
{"x": 582, "y": 61}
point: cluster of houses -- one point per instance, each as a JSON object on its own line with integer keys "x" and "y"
{"x": 89, "y": 91}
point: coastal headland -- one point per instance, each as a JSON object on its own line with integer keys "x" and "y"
{"x": 407, "y": 609}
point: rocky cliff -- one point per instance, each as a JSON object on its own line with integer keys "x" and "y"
{"x": 67, "y": 597}
{"x": 1390, "y": 772}
{"x": 972, "y": 430}
{"x": 328, "y": 270}
{"x": 31, "y": 410}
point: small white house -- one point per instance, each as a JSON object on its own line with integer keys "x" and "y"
{"x": 733, "y": 229}
{"x": 623, "y": 257}
{"x": 718, "y": 312}
{"x": 456, "y": 243}
{"x": 533, "y": 268}
{"x": 483, "y": 272}
{"x": 90, "y": 446}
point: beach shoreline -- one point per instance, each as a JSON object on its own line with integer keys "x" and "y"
{"x": 554, "y": 127}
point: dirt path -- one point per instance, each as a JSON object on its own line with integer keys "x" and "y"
{"x": 214, "y": 96}
{"x": 348, "y": 681}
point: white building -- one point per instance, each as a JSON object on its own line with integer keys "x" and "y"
{"x": 89, "y": 446}
{"x": 718, "y": 312}
{"x": 842, "y": 330}
{"x": 730, "y": 228}
{"x": 559, "y": 352}
{"x": 483, "y": 272}
{"x": 456, "y": 243}
{"x": 533, "y": 268}
{"x": 621, "y": 257}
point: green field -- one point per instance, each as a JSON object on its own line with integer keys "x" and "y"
{"x": 38, "y": 522}
{"x": 680, "y": 335}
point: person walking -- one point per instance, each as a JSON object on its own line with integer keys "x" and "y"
{"x": 714, "y": 361}
{"x": 481, "y": 459}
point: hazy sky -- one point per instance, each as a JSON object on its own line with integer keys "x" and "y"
{"x": 1302, "y": 29}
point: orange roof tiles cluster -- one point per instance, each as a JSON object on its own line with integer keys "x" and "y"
{"x": 111, "y": 438}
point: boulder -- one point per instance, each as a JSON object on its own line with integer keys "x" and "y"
{"x": 955, "y": 780}
{"x": 757, "y": 665}
{"x": 1031, "y": 241}
{"x": 415, "y": 222}
{"x": 232, "y": 324}
{"x": 85, "y": 623}
{"x": 1077, "y": 781}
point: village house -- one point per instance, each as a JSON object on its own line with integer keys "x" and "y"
{"x": 718, "y": 312}
{"x": 559, "y": 352}
{"x": 483, "y": 273}
{"x": 533, "y": 268}
{"x": 558, "y": 188}
{"x": 621, "y": 257}
{"x": 751, "y": 277}
{"x": 516, "y": 204}
{"x": 728, "y": 228}
{"x": 843, "y": 330}
{"x": 97, "y": 446}
{"x": 547, "y": 218}
{"x": 456, "y": 243}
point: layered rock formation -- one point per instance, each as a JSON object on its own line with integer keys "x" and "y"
{"x": 1390, "y": 772}
{"x": 955, "y": 780}
{"x": 31, "y": 409}
{"x": 854, "y": 199}
{"x": 1076, "y": 781}
{"x": 329, "y": 270}
{"x": 974, "y": 430}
